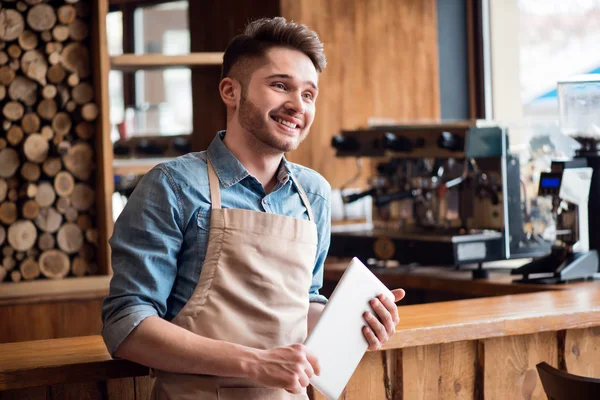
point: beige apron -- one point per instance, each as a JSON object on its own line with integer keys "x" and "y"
{"x": 253, "y": 290}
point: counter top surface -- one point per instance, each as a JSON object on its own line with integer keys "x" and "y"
{"x": 520, "y": 314}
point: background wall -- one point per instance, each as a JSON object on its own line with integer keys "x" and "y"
{"x": 382, "y": 62}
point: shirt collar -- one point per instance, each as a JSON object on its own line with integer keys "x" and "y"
{"x": 230, "y": 170}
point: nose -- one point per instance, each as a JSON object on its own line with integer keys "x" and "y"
{"x": 295, "y": 103}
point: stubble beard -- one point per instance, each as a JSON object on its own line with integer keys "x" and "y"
{"x": 250, "y": 119}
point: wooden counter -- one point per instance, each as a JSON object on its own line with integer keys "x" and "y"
{"x": 484, "y": 348}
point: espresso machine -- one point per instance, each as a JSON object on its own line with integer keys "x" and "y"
{"x": 574, "y": 185}
{"x": 443, "y": 194}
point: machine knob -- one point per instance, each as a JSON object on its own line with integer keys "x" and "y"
{"x": 345, "y": 143}
{"x": 450, "y": 141}
{"x": 397, "y": 143}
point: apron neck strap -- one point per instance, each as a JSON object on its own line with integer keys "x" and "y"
{"x": 305, "y": 201}
{"x": 215, "y": 189}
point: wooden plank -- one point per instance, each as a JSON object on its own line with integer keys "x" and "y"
{"x": 510, "y": 365}
{"x": 117, "y": 389}
{"x": 22, "y": 319}
{"x": 143, "y": 387}
{"x": 134, "y": 62}
{"x": 445, "y": 371}
{"x": 137, "y": 165}
{"x": 382, "y": 62}
{"x": 80, "y": 319}
{"x": 420, "y": 372}
{"x": 60, "y": 289}
{"x": 458, "y": 362}
{"x": 104, "y": 154}
{"x": 58, "y": 319}
{"x": 36, "y": 393}
{"x": 369, "y": 379}
{"x": 77, "y": 391}
{"x": 582, "y": 352}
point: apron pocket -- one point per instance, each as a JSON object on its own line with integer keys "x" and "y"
{"x": 226, "y": 393}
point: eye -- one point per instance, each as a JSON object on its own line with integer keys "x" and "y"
{"x": 279, "y": 85}
{"x": 308, "y": 95}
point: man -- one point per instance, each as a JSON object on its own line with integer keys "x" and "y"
{"x": 218, "y": 256}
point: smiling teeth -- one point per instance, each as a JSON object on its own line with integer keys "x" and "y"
{"x": 286, "y": 123}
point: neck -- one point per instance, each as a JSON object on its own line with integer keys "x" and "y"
{"x": 259, "y": 161}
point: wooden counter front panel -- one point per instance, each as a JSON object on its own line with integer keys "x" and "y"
{"x": 497, "y": 368}
{"x": 439, "y": 371}
{"x": 510, "y": 365}
{"x": 138, "y": 388}
{"x": 582, "y": 351}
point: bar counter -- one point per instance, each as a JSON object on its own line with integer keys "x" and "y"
{"x": 478, "y": 348}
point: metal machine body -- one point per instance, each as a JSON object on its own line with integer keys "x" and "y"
{"x": 445, "y": 194}
{"x": 571, "y": 259}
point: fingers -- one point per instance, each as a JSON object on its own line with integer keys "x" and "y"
{"x": 398, "y": 294}
{"x": 303, "y": 379}
{"x": 390, "y": 307}
{"x": 306, "y": 370}
{"x": 314, "y": 362}
{"x": 388, "y": 315}
{"x": 377, "y": 327}
{"x": 372, "y": 340}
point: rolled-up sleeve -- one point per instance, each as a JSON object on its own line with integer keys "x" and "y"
{"x": 323, "y": 220}
{"x": 146, "y": 240}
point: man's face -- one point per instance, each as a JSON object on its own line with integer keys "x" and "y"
{"x": 277, "y": 105}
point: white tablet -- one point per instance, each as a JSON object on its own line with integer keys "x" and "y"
{"x": 337, "y": 339}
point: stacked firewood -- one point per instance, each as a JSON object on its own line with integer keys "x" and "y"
{"x": 47, "y": 213}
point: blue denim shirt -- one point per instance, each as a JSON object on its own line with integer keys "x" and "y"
{"x": 160, "y": 239}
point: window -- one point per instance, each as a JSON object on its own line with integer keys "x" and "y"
{"x": 158, "y": 102}
{"x": 558, "y": 39}
{"x": 163, "y": 97}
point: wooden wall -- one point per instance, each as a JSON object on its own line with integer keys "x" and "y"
{"x": 50, "y": 319}
{"x": 382, "y": 62}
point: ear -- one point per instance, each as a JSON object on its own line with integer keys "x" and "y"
{"x": 230, "y": 91}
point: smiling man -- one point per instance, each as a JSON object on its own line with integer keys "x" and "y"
{"x": 218, "y": 256}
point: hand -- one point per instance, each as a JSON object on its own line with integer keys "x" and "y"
{"x": 288, "y": 368}
{"x": 382, "y": 327}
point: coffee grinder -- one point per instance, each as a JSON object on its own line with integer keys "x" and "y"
{"x": 569, "y": 182}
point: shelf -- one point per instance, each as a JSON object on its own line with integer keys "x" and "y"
{"x": 40, "y": 290}
{"x": 130, "y": 62}
{"x": 137, "y": 166}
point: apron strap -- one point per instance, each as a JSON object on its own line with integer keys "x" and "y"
{"x": 305, "y": 201}
{"x": 215, "y": 192}
{"x": 213, "y": 182}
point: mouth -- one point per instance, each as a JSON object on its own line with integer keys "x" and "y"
{"x": 287, "y": 126}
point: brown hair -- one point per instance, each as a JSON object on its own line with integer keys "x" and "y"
{"x": 266, "y": 33}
